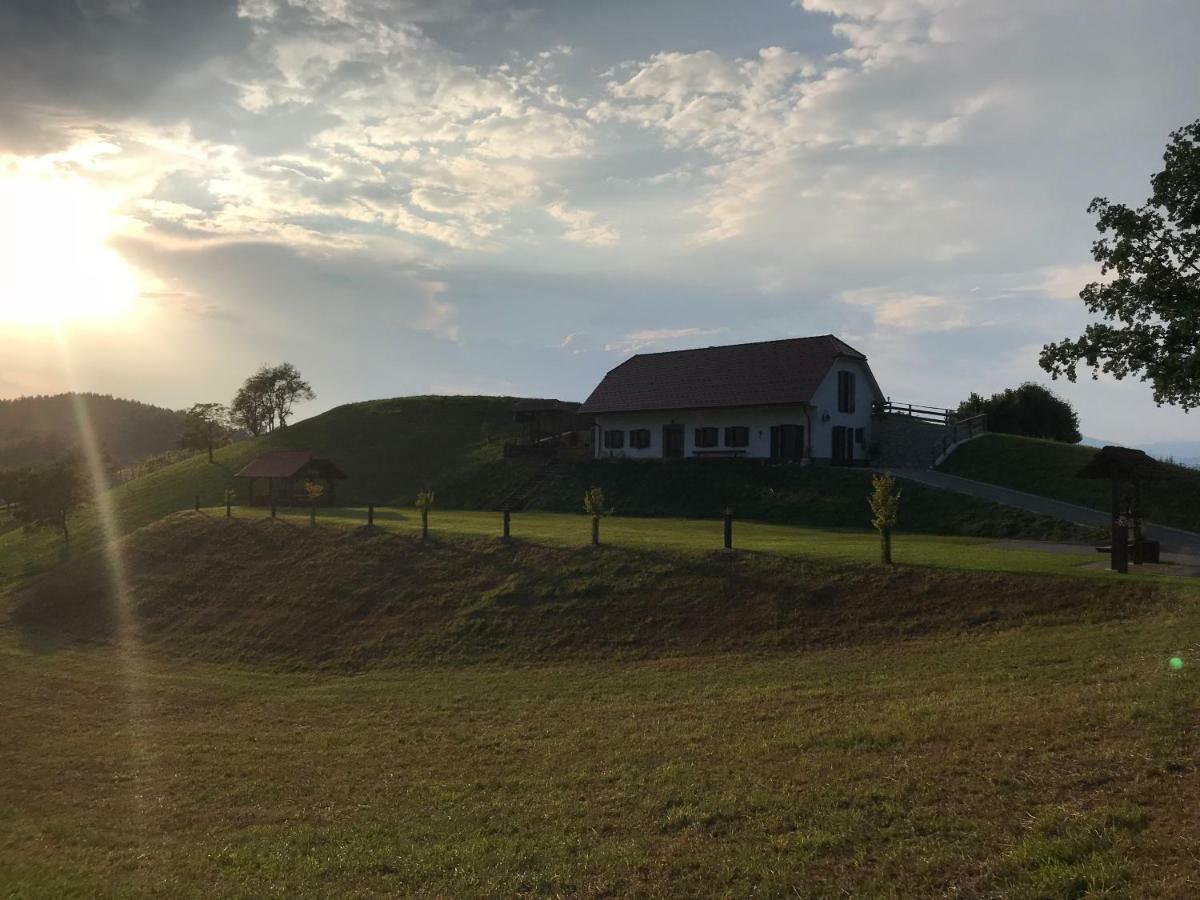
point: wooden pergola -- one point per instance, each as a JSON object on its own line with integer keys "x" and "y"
{"x": 282, "y": 469}
{"x": 544, "y": 418}
{"x": 1126, "y": 469}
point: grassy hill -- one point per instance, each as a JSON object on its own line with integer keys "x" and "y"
{"x": 390, "y": 449}
{"x": 37, "y": 429}
{"x": 542, "y": 721}
{"x": 1049, "y": 468}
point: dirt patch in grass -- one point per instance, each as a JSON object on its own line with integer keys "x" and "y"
{"x": 289, "y": 596}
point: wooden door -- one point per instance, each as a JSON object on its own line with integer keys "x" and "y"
{"x": 843, "y": 445}
{"x": 787, "y": 443}
{"x": 672, "y": 441}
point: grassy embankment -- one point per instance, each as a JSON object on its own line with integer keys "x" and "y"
{"x": 705, "y": 535}
{"x": 1049, "y": 468}
{"x": 392, "y": 448}
{"x": 543, "y": 721}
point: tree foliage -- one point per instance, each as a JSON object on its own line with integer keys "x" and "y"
{"x": 265, "y": 400}
{"x": 205, "y": 426}
{"x": 1030, "y": 410}
{"x": 1150, "y": 305}
{"x": 46, "y": 495}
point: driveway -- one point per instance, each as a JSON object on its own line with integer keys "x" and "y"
{"x": 1174, "y": 540}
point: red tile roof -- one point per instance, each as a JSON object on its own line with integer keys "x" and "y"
{"x": 767, "y": 373}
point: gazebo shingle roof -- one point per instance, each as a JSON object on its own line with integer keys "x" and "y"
{"x": 289, "y": 464}
{"x": 767, "y": 373}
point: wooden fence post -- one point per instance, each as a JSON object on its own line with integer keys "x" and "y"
{"x": 728, "y": 529}
{"x": 312, "y": 513}
{"x": 272, "y": 507}
{"x": 197, "y": 503}
{"x": 370, "y": 514}
{"x": 507, "y": 517}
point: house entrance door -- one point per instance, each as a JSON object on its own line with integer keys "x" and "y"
{"x": 672, "y": 441}
{"x": 787, "y": 443}
{"x": 843, "y": 445}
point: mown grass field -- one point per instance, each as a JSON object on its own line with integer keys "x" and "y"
{"x": 1049, "y": 468}
{"x": 1007, "y": 766}
{"x": 996, "y": 754}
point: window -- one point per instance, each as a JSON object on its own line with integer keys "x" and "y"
{"x": 737, "y": 436}
{"x": 860, "y": 437}
{"x": 706, "y": 437}
{"x": 614, "y": 440}
{"x": 639, "y": 438}
{"x": 846, "y": 392}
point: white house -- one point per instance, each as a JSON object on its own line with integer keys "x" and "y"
{"x": 799, "y": 399}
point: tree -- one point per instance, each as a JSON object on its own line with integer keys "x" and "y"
{"x": 1030, "y": 410}
{"x": 424, "y": 504}
{"x": 266, "y": 398}
{"x": 47, "y": 495}
{"x": 1151, "y": 304}
{"x": 885, "y": 509}
{"x": 593, "y": 505}
{"x": 205, "y": 425}
{"x": 287, "y": 388}
{"x": 251, "y": 408}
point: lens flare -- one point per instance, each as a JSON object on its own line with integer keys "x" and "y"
{"x": 129, "y": 648}
{"x": 1176, "y": 663}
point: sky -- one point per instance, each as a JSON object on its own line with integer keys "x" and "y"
{"x": 470, "y": 196}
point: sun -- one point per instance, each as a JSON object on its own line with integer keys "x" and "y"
{"x": 56, "y": 268}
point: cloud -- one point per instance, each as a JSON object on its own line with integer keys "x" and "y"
{"x": 909, "y": 311}
{"x": 582, "y": 227}
{"x": 637, "y": 341}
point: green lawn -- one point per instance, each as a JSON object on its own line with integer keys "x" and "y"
{"x": 1049, "y": 468}
{"x": 566, "y": 529}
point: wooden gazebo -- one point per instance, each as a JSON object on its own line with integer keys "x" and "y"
{"x": 1126, "y": 469}
{"x": 286, "y": 472}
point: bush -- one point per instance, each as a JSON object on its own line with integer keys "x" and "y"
{"x": 1029, "y": 410}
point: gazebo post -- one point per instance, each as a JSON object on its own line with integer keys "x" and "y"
{"x": 1120, "y": 532}
{"x": 1135, "y": 513}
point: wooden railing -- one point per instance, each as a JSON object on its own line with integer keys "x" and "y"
{"x": 956, "y": 433}
{"x": 935, "y": 415}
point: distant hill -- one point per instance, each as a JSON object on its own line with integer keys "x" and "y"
{"x": 390, "y": 449}
{"x": 38, "y": 429}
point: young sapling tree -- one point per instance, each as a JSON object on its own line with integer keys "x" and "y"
{"x": 885, "y": 507}
{"x": 593, "y": 505}
{"x": 313, "y": 492}
{"x": 424, "y": 504}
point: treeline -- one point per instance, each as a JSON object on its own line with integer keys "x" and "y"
{"x": 38, "y": 429}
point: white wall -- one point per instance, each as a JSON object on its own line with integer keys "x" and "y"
{"x": 758, "y": 419}
{"x": 825, "y": 400}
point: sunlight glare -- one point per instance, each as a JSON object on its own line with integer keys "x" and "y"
{"x": 55, "y": 266}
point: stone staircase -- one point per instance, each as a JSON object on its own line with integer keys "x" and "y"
{"x": 911, "y": 437}
{"x": 516, "y": 499}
